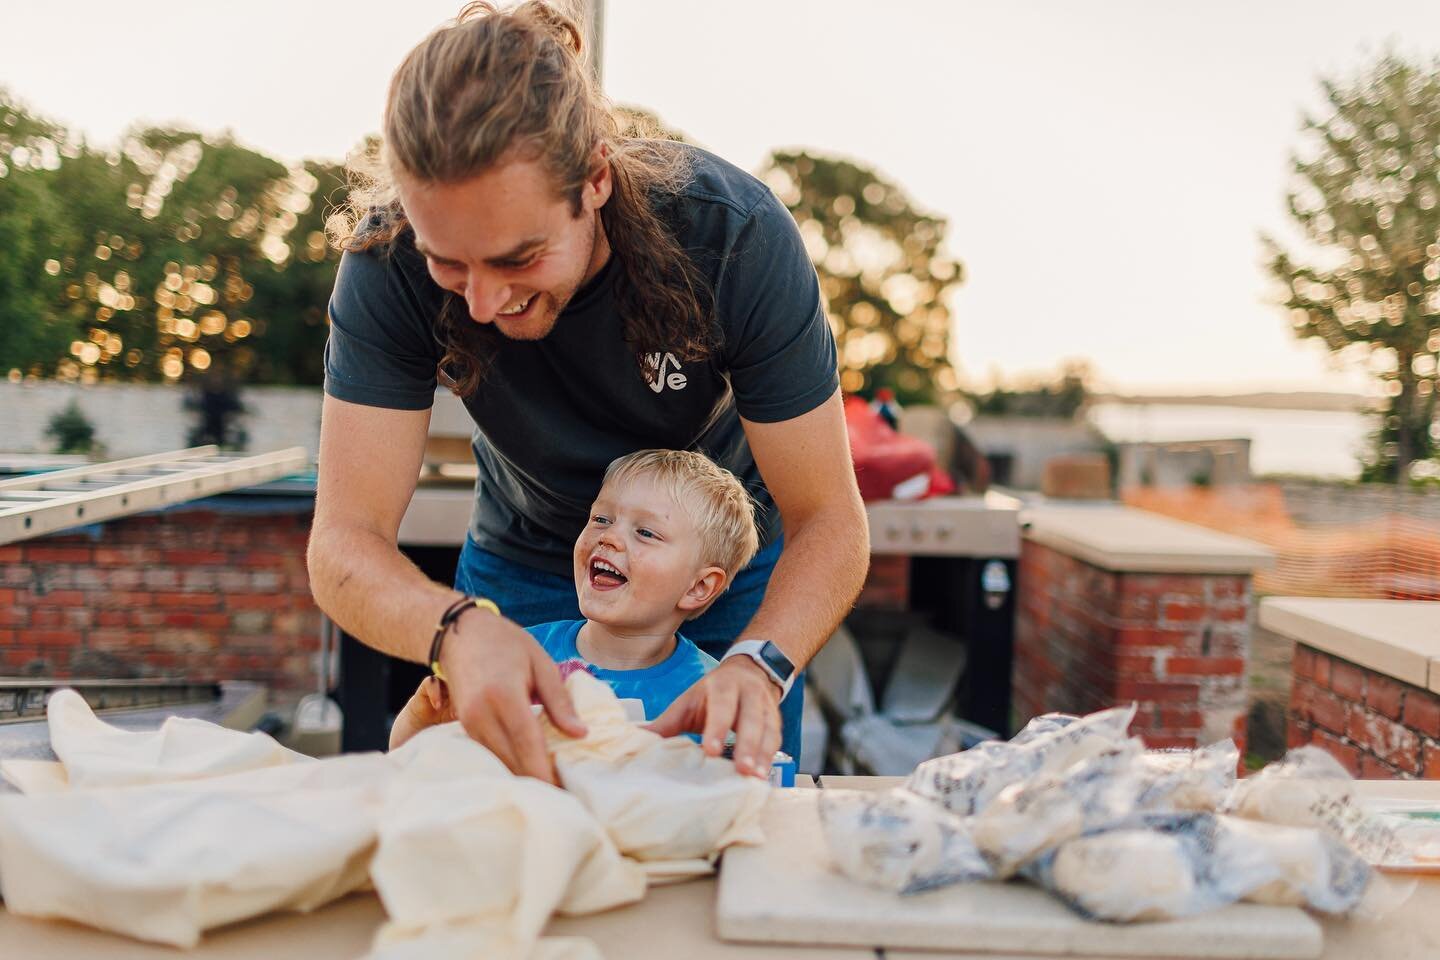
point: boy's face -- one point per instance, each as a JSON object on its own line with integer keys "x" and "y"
{"x": 637, "y": 562}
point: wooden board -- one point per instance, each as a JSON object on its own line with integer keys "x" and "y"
{"x": 785, "y": 892}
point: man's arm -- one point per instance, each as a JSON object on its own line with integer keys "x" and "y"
{"x": 369, "y": 461}
{"x": 807, "y": 468}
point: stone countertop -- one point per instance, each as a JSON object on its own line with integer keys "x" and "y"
{"x": 1398, "y": 638}
{"x": 1127, "y": 540}
{"x": 672, "y": 921}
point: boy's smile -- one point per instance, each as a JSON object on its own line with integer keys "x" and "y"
{"x": 637, "y": 563}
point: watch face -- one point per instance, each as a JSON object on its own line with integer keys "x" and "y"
{"x": 777, "y": 660}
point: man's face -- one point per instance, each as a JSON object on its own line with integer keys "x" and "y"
{"x": 637, "y": 562}
{"x": 508, "y": 243}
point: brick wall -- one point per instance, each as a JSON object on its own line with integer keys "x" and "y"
{"x": 1176, "y": 644}
{"x": 1378, "y": 727}
{"x": 204, "y": 594}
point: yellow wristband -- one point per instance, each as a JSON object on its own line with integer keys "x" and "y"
{"x": 447, "y": 620}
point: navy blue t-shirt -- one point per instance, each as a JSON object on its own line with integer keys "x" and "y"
{"x": 551, "y": 414}
{"x": 656, "y": 687}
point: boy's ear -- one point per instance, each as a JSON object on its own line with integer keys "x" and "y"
{"x": 707, "y": 585}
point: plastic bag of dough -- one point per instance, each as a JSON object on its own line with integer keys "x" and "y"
{"x": 1176, "y": 865}
{"x": 96, "y": 754}
{"x": 897, "y": 841}
{"x": 489, "y": 860}
{"x": 1309, "y": 788}
{"x": 658, "y": 798}
{"x": 966, "y": 782}
{"x": 1198, "y": 780}
{"x": 1042, "y": 724}
{"x": 1030, "y": 818}
{"x": 1315, "y": 869}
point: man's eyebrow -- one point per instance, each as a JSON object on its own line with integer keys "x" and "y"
{"x": 516, "y": 252}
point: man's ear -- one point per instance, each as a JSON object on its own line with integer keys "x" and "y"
{"x": 595, "y": 192}
{"x": 707, "y": 585}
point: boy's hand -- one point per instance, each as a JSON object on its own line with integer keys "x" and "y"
{"x": 428, "y": 706}
{"x": 493, "y": 671}
{"x": 739, "y": 696}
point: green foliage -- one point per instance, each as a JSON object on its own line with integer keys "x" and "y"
{"x": 883, "y": 270}
{"x": 71, "y": 430}
{"x": 1368, "y": 202}
{"x": 173, "y": 255}
{"x": 1062, "y": 397}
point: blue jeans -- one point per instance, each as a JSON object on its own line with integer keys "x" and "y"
{"x": 529, "y": 596}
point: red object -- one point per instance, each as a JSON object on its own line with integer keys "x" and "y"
{"x": 890, "y": 465}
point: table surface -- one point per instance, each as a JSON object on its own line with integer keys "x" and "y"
{"x": 676, "y": 921}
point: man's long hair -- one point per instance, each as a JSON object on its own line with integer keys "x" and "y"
{"x": 495, "y": 86}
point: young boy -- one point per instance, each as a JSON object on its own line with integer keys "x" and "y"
{"x": 667, "y": 533}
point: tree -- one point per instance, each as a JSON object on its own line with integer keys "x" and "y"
{"x": 173, "y": 257}
{"x": 1062, "y": 397}
{"x": 1367, "y": 200}
{"x": 883, "y": 271}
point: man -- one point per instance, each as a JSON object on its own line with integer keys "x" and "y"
{"x": 588, "y": 295}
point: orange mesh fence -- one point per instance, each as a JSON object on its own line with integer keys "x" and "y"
{"x": 1377, "y": 546}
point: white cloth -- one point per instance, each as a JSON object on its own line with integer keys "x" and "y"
{"x": 96, "y": 754}
{"x": 659, "y": 799}
{"x": 468, "y": 859}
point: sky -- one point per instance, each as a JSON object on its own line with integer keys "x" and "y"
{"x": 1106, "y": 168}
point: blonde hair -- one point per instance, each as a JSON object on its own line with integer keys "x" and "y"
{"x": 723, "y": 512}
{"x": 495, "y": 86}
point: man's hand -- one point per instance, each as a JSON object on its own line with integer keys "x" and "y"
{"x": 493, "y": 671}
{"x": 739, "y": 696}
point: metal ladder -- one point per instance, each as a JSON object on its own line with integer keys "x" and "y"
{"x": 37, "y": 504}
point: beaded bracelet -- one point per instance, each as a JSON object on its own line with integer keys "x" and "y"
{"x": 447, "y": 620}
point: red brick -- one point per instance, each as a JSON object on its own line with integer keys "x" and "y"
{"x": 260, "y": 601}
{"x": 1182, "y": 640}
{"x": 59, "y": 598}
{"x": 1205, "y": 666}
{"x": 1348, "y": 680}
{"x": 1328, "y": 711}
{"x": 1384, "y": 695}
{"x": 1372, "y": 768}
{"x": 1172, "y": 693}
{"x": 1356, "y": 717}
{"x": 13, "y": 656}
{"x": 1393, "y": 743}
{"x": 1179, "y": 718}
{"x": 1422, "y": 712}
{"x": 43, "y": 554}
{"x": 1137, "y": 666}
{"x": 1184, "y": 612}
{"x": 192, "y": 601}
{"x": 41, "y": 617}
{"x": 11, "y": 553}
{"x": 194, "y": 558}
{"x": 1297, "y": 734}
{"x": 1432, "y": 760}
{"x": 125, "y": 555}
{"x": 256, "y": 558}
{"x": 111, "y": 618}
{"x": 1323, "y": 663}
{"x": 1303, "y": 662}
{"x": 53, "y": 638}
{"x": 1347, "y": 754}
{"x": 1163, "y": 742}
{"x": 11, "y": 616}
{"x": 1230, "y": 612}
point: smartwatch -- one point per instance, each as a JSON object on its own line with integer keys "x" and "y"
{"x": 771, "y": 659}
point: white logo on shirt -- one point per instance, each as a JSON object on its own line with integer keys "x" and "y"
{"x": 675, "y": 380}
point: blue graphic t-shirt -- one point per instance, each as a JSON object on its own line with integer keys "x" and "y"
{"x": 656, "y": 687}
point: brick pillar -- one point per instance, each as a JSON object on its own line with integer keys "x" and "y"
{"x": 1377, "y": 726}
{"x": 1174, "y": 643}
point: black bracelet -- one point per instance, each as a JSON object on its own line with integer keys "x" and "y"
{"x": 447, "y": 620}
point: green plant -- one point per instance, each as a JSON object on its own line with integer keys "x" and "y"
{"x": 71, "y": 430}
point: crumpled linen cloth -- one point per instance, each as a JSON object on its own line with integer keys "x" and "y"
{"x": 468, "y": 859}
{"x": 95, "y": 754}
{"x": 659, "y": 799}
